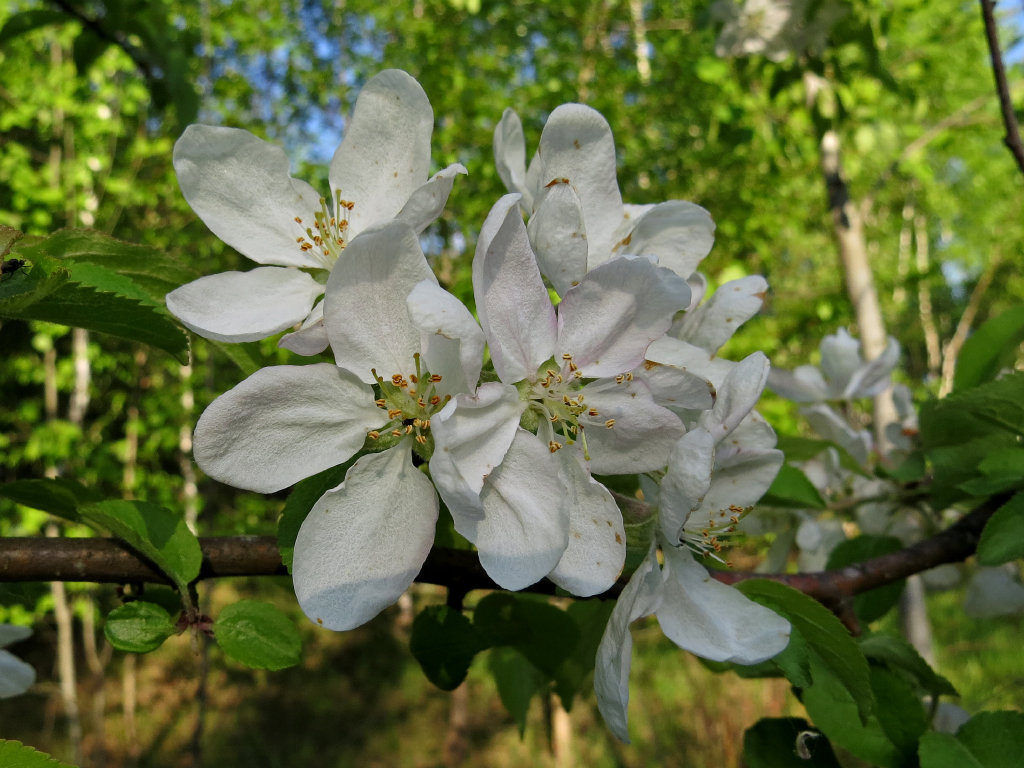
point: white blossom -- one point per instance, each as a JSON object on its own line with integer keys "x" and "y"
{"x": 16, "y": 676}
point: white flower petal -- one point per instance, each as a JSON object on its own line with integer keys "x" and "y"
{"x": 840, "y": 359}
{"x": 283, "y": 424}
{"x": 511, "y": 300}
{"x": 426, "y": 203}
{"x": 686, "y": 482}
{"x": 873, "y": 377}
{"x": 385, "y": 155}
{"x": 311, "y": 338}
{"x": 510, "y": 156}
{"x": 452, "y": 342}
{"x": 12, "y": 633}
{"x": 713, "y": 323}
{"x": 577, "y": 144}
{"x": 641, "y": 436}
{"x": 240, "y": 187}
{"x": 831, "y": 426}
{"x": 675, "y": 388}
{"x": 525, "y": 526}
{"x": 597, "y": 540}
{"x": 677, "y": 233}
{"x": 365, "y": 307}
{"x": 737, "y": 395}
{"x": 15, "y": 675}
{"x": 559, "y": 236}
{"x": 713, "y": 620}
{"x": 740, "y": 479}
{"x": 244, "y": 306}
{"x": 363, "y": 543}
{"x": 804, "y": 384}
{"x": 472, "y": 434}
{"x": 671, "y": 351}
{"x": 640, "y": 598}
{"x": 610, "y": 318}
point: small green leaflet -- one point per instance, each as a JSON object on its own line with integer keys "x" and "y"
{"x": 792, "y": 489}
{"x": 1003, "y": 537}
{"x": 988, "y": 349}
{"x": 58, "y": 496}
{"x": 258, "y": 635}
{"x": 14, "y": 754}
{"x": 444, "y": 642}
{"x": 987, "y": 740}
{"x": 138, "y": 627}
{"x": 786, "y": 742}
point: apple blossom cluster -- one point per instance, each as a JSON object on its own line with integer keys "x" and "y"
{"x": 511, "y": 417}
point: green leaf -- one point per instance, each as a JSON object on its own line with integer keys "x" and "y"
{"x": 258, "y": 635}
{"x": 786, "y": 742}
{"x": 88, "y": 47}
{"x": 155, "y": 271}
{"x": 1003, "y": 537}
{"x": 444, "y": 642}
{"x": 14, "y": 754}
{"x": 30, "y": 285}
{"x": 989, "y": 349}
{"x": 58, "y": 496}
{"x": 591, "y": 618}
{"x": 806, "y": 448}
{"x": 875, "y": 603}
{"x": 941, "y": 750}
{"x": 517, "y": 680}
{"x": 898, "y": 709}
{"x": 827, "y": 640}
{"x": 900, "y": 656}
{"x": 833, "y": 710}
{"x": 543, "y": 633}
{"x": 792, "y": 489}
{"x": 155, "y": 532}
{"x": 995, "y": 739}
{"x": 26, "y": 21}
{"x": 138, "y": 627}
{"x": 302, "y": 498}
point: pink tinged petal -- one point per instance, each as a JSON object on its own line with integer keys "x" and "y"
{"x": 712, "y": 324}
{"x": 713, "y": 620}
{"x": 804, "y": 384}
{"x": 525, "y": 526}
{"x": 365, "y": 308}
{"x": 737, "y": 396}
{"x": 640, "y": 598}
{"x": 452, "y": 342}
{"x": 16, "y": 676}
{"x": 311, "y": 338}
{"x": 873, "y": 377}
{"x": 510, "y": 157}
{"x": 559, "y": 237}
{"x": 283, "y": 424}
{"x": 511, "y": 300}
{"x": 670, "y": 351}
{"x": 686, "y": 482}
{"x": 610, "y": 318}
{"x": 385, "y": 155}
{"x": 363, "y": 543}
{"x": 642, "y": 432}
{"x": 427, "y": 202}
{"x": 675, "y": 388}
{"x": 244, "y": 306}
{"x": 597, "y": 540}
{"x": 677, "y": 233}
{"x": 577, "y": 144}
{"x": 240, "y": 187}
{"x": 472, "y": 434}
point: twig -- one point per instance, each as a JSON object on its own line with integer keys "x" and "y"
{"x": 1012, "y": 139}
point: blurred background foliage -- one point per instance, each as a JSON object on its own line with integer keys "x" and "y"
{"x": 92, "y": 96}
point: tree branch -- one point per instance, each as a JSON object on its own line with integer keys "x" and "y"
{"x": 111, "y": 561}
{"x": 1012, "y": 139}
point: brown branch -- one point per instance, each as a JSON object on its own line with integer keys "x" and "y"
{"x": 1012, "y": 139}
{"x": 111, "y": 561}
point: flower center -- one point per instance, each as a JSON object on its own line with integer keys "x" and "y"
{"x": 557, "y": 396}
{"x": 326, "y": 239}
{"x": 707, "y": 537}
{"x": 410, "y": 403}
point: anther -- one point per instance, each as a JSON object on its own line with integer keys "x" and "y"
{"x": 382, "y": 403}
{"x": 554, "y": 446}
{"x": 396, "y": 433}
{"x": 373, "y": 435}
{"x": 394, "y": 413}
{"x": 610, "y": 423}
{"x": 435, "y": 400}
{"x": 435, "y": 377}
